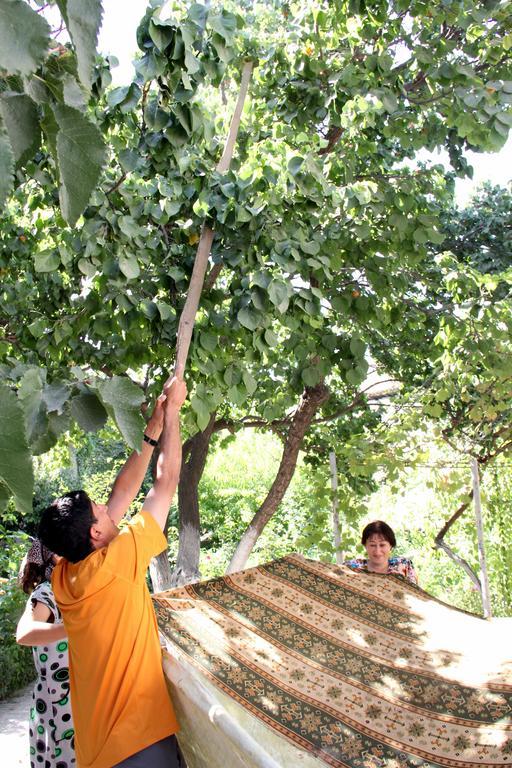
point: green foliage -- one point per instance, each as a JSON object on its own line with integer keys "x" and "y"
{"x": 15, "y": 463}
{"x": 234, "y": 484}
{"x": 81, "y": 157}
{"x": 481, "y": 233}
{"x": 325, "y": 235}
{"x": 16, "y": 665}
{"x": 24, "y": 38}
{"x": 50, "y": 100}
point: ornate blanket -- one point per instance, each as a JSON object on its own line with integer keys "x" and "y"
{"x": 358, "y": 669}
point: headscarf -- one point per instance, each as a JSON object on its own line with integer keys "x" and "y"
{"x": 40, "y": 555}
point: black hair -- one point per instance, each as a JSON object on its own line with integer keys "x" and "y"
{"x": 65, "y": 526}
{"x": 383, "y": 529}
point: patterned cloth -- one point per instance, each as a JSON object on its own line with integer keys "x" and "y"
{"x": 40, "y": 555}
{"x": 51, "y": 728}
{"x": 360, "y": 670}
{"x": 400, "y": 565}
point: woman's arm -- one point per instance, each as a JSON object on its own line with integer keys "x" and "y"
{"x": 35, "y": 629}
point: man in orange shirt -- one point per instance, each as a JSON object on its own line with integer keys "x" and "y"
{"x": 122, "y": 713}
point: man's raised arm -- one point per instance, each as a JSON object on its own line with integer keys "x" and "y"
{"x": 131, "y": 475}
{"x": 168, "y": 467}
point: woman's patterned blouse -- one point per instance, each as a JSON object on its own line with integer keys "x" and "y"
{"x": 401, "y": 565}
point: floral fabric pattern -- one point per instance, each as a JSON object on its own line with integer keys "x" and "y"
{"x": 362, "y": 670}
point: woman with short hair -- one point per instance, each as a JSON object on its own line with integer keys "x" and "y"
{"x": 378, "y": 539}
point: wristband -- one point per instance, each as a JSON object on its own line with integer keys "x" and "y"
{"x": 149, "y": 440}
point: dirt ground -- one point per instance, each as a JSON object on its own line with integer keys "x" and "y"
{"x": 14, "y": 713}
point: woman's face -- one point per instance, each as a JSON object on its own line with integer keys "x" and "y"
{"x": 378, "y": 549}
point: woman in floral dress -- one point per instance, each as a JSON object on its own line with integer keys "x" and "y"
{"x": 379, "y": 539}
{"x": 51, "y": 727}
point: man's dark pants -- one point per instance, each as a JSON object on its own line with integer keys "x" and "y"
{"x": 161, "y": 754}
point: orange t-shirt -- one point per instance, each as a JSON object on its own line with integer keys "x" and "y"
{"x": 119, "y": 697}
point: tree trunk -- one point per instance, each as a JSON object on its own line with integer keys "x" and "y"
{"x": 196, "y": 452}
{"x": 441, "y": 544}
{"x": 160, "y": 570}
{"x": 484, "y": 579}
{"x": 311, "y": 401}
{"x": 335, "y": 514}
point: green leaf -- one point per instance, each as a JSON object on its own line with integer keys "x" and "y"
{"x": 73, "y": 93}
{"x": 250, "y": 382}
{"x": 24, "y": 37}
{"x": 363, "y": 191}
{"x": 148, "y": 308}
{"x": 83, "y": 20}
{"x": 6, "y": 165}
{"x": 46, "y": 261}
{"x": 165, "y": 310}
{"x": 37, "y": 327}
{"x": 50, "y": 130}
{"x": 55, "y": 395}
{"x": 20, "y": 118}
{"x": 232, "y": 376}
{"x": 129, "y": 226}
{"x": 16, "y": 472}
{"x": 311, "y": 376}
{"x": 5, "y": 495}
{"x": 208, "y": 341}
{"x": 81, "y": 154}
{"x": 191, "y": 62}
{"x": 295, "y": 164}
{"x": 311, "y": 247}
{"x": 249, "y": 318}
{"x": 279, "y": 294}
{"x": 420, "y": 236}
{"x": 357, "y": 347}
{"x": 162, "y": 32}
{"x": 355, "y": 376}
{"x": 30, "y": 396}
{"x": 198, "y": 13}
{"x": 201, "y": 410}
{"x": 122, "y": 400}
{"x": 202, "y": 419}
{"x": 86, "y": 267}
{"x": 223, "y": 23}
{"x": 271, "y": 338}
{"x": 390, "y": 101}
{"x": 88, "y": 411}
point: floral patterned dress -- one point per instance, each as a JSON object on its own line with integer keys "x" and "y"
{"x": 401, "y": 565}
{"x": 51, "y": 726}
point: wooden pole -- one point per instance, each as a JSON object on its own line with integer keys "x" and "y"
{"x": 160, "y": 565}
{"x": 335, "y": 514}
{"x": 484, "y": 582}
{"x": 188, "y": 315}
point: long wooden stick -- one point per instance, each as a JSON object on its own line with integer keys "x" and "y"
{"x": 188, "y": 315}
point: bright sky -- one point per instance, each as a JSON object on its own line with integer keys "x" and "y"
{"x": 117, "y": 36}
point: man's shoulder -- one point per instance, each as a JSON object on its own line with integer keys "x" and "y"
{"x": 139, "y": 537}
{"x": 142, "y": 523}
